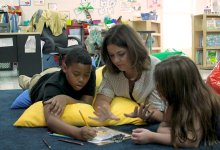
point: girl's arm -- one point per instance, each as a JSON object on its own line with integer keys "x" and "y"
{"x": 162, "y": 136}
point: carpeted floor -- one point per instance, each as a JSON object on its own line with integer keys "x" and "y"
{"x": 13, "y": 138}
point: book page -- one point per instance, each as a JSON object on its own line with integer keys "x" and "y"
{"x": 106, "y": 136}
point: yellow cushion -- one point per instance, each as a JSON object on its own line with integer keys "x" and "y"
{"x": 98, "y": 73}
{"x": 34, "y": 116}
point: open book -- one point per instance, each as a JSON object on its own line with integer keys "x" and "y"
{"x": 106, "y": 136}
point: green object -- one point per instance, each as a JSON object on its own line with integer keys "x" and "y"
{"x": 167, "y": 53}
{"x": 212, "y": 59}
{"x": 68, "y": 22}
{"x": 26, "y": 23}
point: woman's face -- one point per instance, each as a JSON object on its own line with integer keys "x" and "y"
{"x": 119, "y": 57}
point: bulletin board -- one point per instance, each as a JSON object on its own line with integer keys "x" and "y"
{"x": 9, "y": 2}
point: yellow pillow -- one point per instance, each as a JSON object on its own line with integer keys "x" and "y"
{"x": 34, "y": 115}
{"x": 98, "y": 73}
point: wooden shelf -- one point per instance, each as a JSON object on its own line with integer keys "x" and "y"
{"x": 214, "y": 47}
{"x": 202, "y": 30}
{"x": 214, "y": 30}
{"x": 149, "y": 25}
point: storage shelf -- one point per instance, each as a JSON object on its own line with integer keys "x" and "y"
{"x": 214, "y": 30}
{"x": 205, "y": 29}
{"x": 156, "y": 34}
{"x": 212, "y": 15}
{"x": 211, "y": 48}
{"x": 149, "y": 25}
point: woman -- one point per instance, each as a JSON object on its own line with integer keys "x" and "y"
{"x": 128, "y": 73}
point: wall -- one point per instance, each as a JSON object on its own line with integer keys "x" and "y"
{"x": 199, "y": 5}
{"x": 112, "y": 8}
{"x": 177, "y": 25}
{"x": 176, "y": 18}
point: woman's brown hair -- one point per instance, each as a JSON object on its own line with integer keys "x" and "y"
{"x": 125, "y": 37}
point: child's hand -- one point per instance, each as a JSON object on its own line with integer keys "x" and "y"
{"x": 141, "y": 136}
{"x": 104, "y": 114}
{"x": 87, "y": 133}
{"x": 142, "y": 112}
{"x": 57, "y": 105}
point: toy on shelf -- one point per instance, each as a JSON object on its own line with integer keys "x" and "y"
{"x": 111, "y": 22}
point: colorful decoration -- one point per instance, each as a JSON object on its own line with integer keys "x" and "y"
{"x": 85, "y": 7}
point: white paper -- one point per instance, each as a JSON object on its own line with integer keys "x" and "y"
{"x": 6, "y": 42}
{"x": 30, "y": 45}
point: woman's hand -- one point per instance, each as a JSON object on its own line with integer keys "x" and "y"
{"x": 141, "y": 136}
{"x": 57, "y": 105}
{"x": 87, "y": 133}
{"x": 142, "y": 112}
{"x": 103, "y": 114}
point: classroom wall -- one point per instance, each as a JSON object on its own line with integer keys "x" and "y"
{"x": 177, "y": 25}
{"x": 175, "y": 20}
{"x": 102, "y": 8}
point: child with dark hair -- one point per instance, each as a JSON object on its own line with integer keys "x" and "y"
{"x": 74, "y": 83}
{"x": 192, "y": 111}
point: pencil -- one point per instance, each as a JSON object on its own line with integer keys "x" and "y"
{"x": 84, "y": 119}
{"x": 45, "y": 142}
{"x": 59, "y": 135}
{"x": 70, "y": 141}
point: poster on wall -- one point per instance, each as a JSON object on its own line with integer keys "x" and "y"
{"x": 9, "y": 3}
{"x": 25, "y": 2}
{"x": 125, "y": 6}
{"x": 154, "y": 5}
{"x": 38, "y": 2}
{"x": 87, "y": 1}
{"x": 52, "y": 6}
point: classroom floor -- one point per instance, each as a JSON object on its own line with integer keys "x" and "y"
{"x": 9, "y": 79}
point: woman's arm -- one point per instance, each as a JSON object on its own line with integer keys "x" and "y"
{"x": 146, "y": 113}
{"x": 102, "y": 108}
{"x": 56, "y": 125}
{"x": 157, "y": 106}
{"x": 102, "y": 101}
{"x": 157, "y": 115}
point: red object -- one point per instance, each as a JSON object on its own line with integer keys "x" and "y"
{"x": 56, "y": 58}
{"x": 214, "y": 78}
